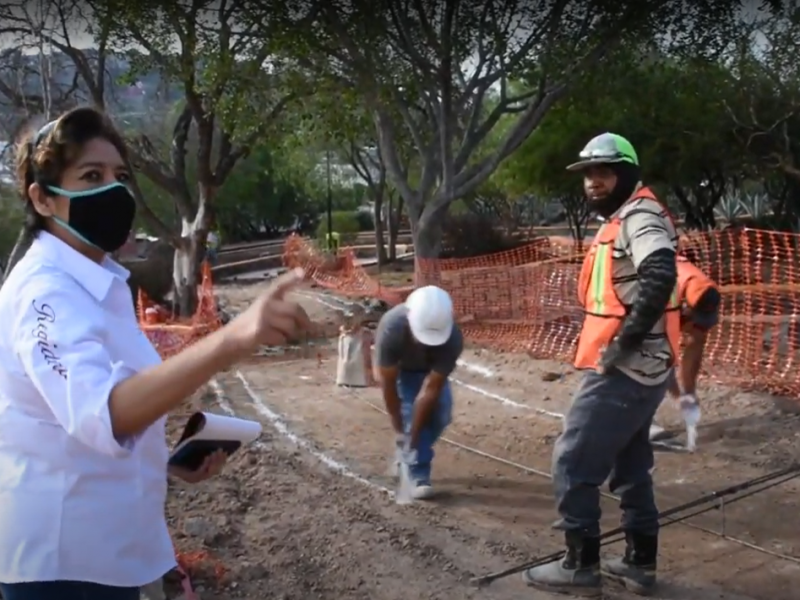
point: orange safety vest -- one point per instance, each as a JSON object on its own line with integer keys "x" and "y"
{"x": 603, "y": 310}
{"x": 692, "y": 282}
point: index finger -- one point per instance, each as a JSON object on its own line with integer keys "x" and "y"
{"x": 286, "y": 282}
{"x": 302, "y": 319}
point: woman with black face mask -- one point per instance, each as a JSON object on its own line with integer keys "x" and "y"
{"x": 83, "y": 393}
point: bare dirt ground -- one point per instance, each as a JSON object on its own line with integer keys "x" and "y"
{"x": 305, "y": 513}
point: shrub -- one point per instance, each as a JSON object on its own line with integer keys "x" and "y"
{"x": 469, "y": 234}
{"x": 345, "y": 223}
{"x": 365, "y": 220}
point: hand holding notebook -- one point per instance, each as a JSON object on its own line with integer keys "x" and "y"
{"x": 206, "y": 434}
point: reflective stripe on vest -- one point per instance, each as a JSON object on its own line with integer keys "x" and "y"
{"x": 604, "y": 312}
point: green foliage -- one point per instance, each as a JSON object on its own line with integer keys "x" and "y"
{"x": 206, "y": 53}
{"x": 345, "y": 223}
{"x": 11, "y": 219}
{"x": 266, "y": 194}
{"x": 160, "y": 202}
{"x": 469, "y": 234}
{"x": 365, "y": 220}
{"x": 673, "y": 113}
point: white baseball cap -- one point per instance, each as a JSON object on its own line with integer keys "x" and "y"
{"x": 430, "y": 315}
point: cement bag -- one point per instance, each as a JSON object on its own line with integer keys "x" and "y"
{"x": 350, "y": 367}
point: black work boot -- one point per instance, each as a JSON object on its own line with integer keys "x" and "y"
{"x": 578, "y": 573}
{"x": 636, "y": 570}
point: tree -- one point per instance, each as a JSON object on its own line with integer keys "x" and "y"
{"x": 386, "y": 202}
{"x": 11, "y": 219}
{"x": 764, "y": 105}
{"x": 441, "y": 71}
{"x": 671, "y": 109}
{"x": 229, "y": 99}
{"x": 334, "y": 122}
{"x": 267, "y": 194}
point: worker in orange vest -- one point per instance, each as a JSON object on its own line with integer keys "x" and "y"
{"x": 700, "y": 300}
{"x": 628, "y": 346}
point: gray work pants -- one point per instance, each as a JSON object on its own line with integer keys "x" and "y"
{"x": 606, "y": 433}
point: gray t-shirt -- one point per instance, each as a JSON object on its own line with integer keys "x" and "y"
{"x": 646, "y": 227}
{"x": 396, "y": 347}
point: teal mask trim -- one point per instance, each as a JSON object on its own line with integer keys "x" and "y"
{"x": 72, "y": 195}
{"x": 65, "y": 225}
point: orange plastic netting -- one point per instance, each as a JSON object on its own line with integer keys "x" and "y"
{"x": 524, "y": 300}
{"x": 170, "y": 335}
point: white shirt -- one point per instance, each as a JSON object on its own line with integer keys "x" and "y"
{"x": 212, "y": 240}
{"x": 75, "y": 504}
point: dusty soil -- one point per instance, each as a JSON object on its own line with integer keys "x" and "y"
{"x": 306, "y": 514}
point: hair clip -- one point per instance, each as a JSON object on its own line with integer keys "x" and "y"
{"x": 43, "y": 132}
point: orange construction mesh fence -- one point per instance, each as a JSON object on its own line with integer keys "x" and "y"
{"x": 170, "y": 335}
{"x": 524, "y": 300}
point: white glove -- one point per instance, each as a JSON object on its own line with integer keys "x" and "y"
{"x": 690, "y": 410}
{"x": 404, "y": 458}
{"x": 403, "y": 452}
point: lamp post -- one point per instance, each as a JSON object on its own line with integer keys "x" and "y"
{"x": 330, "y": 200}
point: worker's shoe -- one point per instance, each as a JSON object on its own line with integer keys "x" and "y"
{"x": 423, "y": 490}
{"x": 578, "y": 573}
{"x": 658, "y": 433}
{"x": 420, "y": 474}
{"x": 636, "y": 569}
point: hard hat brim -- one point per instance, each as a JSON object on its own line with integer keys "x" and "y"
{"x": 428, "y": 337}
{"x": 593, "y": 162}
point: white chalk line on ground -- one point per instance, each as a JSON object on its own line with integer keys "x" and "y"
{"x": 281, "y": 426}
{"x": 226, "y": 407}
{"x": 506, "y": 401}
{"x": 674, "y": 446}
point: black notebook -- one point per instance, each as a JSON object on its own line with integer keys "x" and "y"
{"x": 205, "y": 433}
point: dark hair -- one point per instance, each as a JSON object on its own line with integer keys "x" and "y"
{"x": 43, "y": 155}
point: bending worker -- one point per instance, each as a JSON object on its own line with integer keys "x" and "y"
{"x": 417, "y": 346}
{"x": 628, "y": 345}
{"x": 700, "y": 300}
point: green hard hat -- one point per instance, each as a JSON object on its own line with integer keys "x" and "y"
{"x": 605, "y": 149}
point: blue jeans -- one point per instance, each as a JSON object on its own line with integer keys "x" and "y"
{"x": 66, "y": 590}
{"x": 409, "y": 384}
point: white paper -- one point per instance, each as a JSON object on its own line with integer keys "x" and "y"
{"x": 219, "y": 428}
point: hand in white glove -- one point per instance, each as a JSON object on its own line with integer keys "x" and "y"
{"x": 690, "y": 409}
{"x": 404, "y": 458}
{"x": 404, "y": 453}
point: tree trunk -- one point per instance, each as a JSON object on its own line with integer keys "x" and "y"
{"x": 186, "y": 268}
{"x": 380, "y": 247}
{"x": 426, "y": 234}
{"x": 393, "y": 219}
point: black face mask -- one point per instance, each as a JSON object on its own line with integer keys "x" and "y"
{"x": 628, "y": 176}
{"x": 101, "y": 217}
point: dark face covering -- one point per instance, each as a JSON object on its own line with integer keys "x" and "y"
{"x": 102, "y": 217}
{"x": 628, "y": 176}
